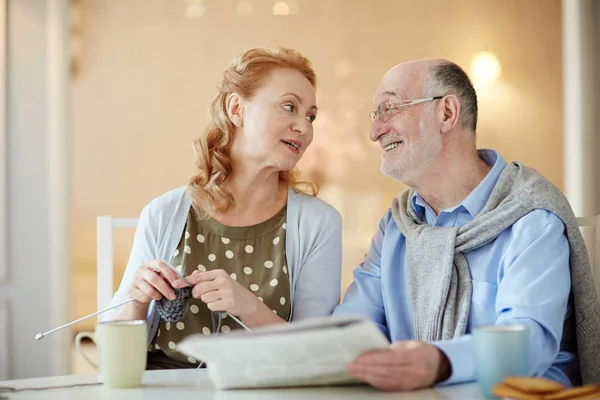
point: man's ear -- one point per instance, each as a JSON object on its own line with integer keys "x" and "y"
{"x": 235, "y": 109}
{"x": 449, "y": 112}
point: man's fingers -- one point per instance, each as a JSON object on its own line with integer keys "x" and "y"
{"x": 404, "y": 366}
{"x": 381, "y": 377}
{"x": 381, "y": 357}
{"x": 385, "y": 384}
{"x": 406, "y": 345}
{"x": 374, "y": 370}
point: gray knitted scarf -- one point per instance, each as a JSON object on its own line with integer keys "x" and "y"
{"x": 438, "y": 272}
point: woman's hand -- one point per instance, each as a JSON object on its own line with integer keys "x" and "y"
{"x": 153, "y": 281}
{"x": 221, "y": 293}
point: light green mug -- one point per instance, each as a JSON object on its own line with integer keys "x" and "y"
{"x": 122, "y": 352}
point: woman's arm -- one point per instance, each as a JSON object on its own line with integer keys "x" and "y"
{"x": 319, "y": 278}
{"x": 143, "y": 280}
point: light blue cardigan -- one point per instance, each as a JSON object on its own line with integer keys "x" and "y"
{"x": 313, "y": 247}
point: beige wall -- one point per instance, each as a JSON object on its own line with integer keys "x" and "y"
{"x": 146, "y": 74}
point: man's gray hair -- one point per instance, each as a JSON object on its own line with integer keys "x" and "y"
{"x": 449, "y": 78}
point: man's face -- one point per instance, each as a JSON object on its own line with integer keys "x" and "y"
{"x": 406, "y": 134}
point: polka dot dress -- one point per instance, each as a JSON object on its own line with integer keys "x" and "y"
{"x": 254, "y": 256}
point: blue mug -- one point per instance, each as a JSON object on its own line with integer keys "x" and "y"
{"x": 500, "y": 351}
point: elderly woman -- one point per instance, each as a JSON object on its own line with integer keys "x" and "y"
{"x": 250, "y": 238}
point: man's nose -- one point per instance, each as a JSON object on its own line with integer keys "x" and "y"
{"x": 378, "y": 129}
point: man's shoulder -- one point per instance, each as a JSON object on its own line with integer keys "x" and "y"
{"x": 532, "y": 224}
{"x": 386, "y": 221}
{"x": 529, "y": 181}
{"x": 520, "y": 184}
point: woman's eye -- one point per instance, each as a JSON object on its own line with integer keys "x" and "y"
{"x": 311, "y": 117}
{"x": 289, "y": 107}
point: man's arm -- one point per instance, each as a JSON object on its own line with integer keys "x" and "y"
{"x": 533, "y": 290}
{"x": 364, "y": 296}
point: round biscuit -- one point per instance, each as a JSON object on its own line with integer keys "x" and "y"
{"x": 574, "y": 393}
{"x": 533, "y": 384}
{"x": 502, "y": 390}
{"x": 589, "y": 396}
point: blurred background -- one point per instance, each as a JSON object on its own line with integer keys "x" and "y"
{"x": 145, "y": 71}
{"x": 103, "y": 99}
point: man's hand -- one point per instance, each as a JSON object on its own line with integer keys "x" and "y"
{"x": 405, "y": 366}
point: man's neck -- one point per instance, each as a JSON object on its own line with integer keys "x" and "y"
{"x": 451, "y": 180}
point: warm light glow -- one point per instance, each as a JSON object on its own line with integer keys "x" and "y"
{"x": 281, "y": 8}
{"x": 195, "y": 10}
{"x": 245, "y": 9}
{"x": 485, "y": 68}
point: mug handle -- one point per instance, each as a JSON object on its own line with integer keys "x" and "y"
{"x": 89, "y": 335}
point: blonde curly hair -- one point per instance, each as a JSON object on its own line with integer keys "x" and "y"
{"x": 244, "y": 76}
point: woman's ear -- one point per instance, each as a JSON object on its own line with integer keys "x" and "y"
{"x": 235, "y": 109}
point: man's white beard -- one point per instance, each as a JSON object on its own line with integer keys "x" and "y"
{"x": 417, "y": 155}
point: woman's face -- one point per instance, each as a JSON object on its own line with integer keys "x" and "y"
{"x": 275, "y": 126}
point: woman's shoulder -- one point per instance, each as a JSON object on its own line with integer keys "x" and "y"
{"x": 314, "y": 207}
{"x": 168, "y": 201}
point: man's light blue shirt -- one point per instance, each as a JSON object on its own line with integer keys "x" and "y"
{"x": 521, "y": 277}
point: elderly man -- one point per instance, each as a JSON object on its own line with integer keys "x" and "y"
{"x": 474, "y": 241}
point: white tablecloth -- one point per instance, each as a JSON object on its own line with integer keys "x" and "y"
{"x": 195, "y": 384}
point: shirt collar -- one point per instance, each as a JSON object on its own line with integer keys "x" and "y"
{"x": 476, "y": 200}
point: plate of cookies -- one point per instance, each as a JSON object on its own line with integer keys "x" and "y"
{"x": 534, "y": 388}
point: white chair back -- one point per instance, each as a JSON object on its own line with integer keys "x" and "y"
{"x": 104, "y": 255}
{"x": 592, "y": 242}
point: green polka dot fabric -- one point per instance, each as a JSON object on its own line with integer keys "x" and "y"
{"x": 254, "y": 256}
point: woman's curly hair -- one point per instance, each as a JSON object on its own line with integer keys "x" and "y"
{"x": 244, "y": 76}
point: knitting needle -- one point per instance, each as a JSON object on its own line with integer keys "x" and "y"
{"x": 41, "y": 335}
{"x": 238, "y": 321}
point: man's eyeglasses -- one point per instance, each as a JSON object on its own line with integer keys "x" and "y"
{"x": 386, "y": 110}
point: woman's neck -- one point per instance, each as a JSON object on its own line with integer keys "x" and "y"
{"x": 258, "y": 196}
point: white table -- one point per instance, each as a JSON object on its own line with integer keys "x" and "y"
{"x": 195, "y": 384}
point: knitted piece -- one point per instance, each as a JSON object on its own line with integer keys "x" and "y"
{"x": 173, "y": 310}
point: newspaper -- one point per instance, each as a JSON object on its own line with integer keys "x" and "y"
{"x": 312, "y": 352}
